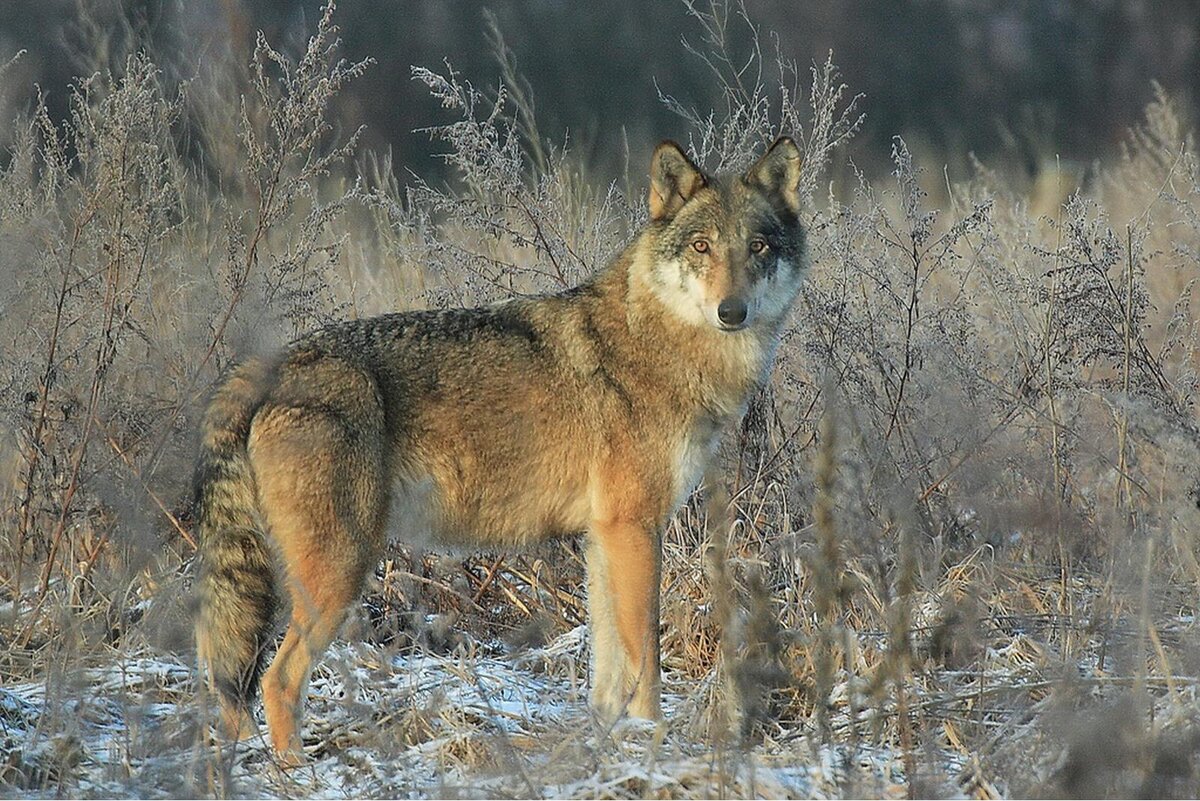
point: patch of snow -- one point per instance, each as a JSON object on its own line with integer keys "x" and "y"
{"x": 481, "y": 721}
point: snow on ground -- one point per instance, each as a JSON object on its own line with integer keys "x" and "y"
{"x": 480, "y": 722}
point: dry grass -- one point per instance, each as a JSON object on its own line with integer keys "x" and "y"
{"x": 952, "y": 549}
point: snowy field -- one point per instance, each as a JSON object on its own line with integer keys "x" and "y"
{"x": 475, "y": 723}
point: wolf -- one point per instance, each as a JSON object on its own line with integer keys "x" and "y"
{"x": 594, "y": 410}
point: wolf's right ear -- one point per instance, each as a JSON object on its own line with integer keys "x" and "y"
{"x": 673, "y": 180}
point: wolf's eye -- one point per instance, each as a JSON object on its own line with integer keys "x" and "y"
{"x": 758, "y": 245}
{"x": 700, "y": 245}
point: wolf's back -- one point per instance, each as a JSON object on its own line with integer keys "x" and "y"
{"x": 236, "y": 585}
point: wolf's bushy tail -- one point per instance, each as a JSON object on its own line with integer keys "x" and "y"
{"x": 236, "y": 585}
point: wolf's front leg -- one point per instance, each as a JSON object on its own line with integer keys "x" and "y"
{"x": 624, "y": 566}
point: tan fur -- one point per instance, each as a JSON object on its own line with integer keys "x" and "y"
{"x": 590, "y": 411}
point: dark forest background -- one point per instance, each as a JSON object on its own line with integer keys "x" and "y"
{"x": 1021, "y": 82}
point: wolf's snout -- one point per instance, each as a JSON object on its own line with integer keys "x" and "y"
{"x": 732, "y": 312}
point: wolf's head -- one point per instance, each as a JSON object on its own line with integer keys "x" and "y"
{"x": 726, "y": 251}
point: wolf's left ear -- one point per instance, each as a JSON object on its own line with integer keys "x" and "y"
{"x": 778, "y": 171}
{"x": 673, "y": 180}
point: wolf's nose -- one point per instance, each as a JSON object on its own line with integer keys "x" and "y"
{"x": 732, "y": 311}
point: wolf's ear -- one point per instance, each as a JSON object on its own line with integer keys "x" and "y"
{"x": 673, "y": 180}
{"x": 778, "y": 171}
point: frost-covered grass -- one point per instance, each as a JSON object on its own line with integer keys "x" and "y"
{"x": 483, "y": 723}
{"x": 953, "y": 549}
{"x": 492, "y": 720}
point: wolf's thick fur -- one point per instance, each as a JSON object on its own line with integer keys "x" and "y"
{"x": 594, "y": 410}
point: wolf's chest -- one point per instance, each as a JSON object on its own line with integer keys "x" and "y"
{"x": 693, "y": 452}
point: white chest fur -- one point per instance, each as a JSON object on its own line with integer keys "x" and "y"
{"x": 692, "y": 455}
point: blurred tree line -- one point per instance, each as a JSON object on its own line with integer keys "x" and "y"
{"x": 1019, "y": 80}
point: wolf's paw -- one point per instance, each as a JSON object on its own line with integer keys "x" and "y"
{"x": 634, "y": 727}
{"x": 291, "y": 758}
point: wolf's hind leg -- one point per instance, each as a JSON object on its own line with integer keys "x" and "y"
{"x": 320, "y": 600}
{"x": 320, "y": 483}
{"x": 624, "y": 566}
